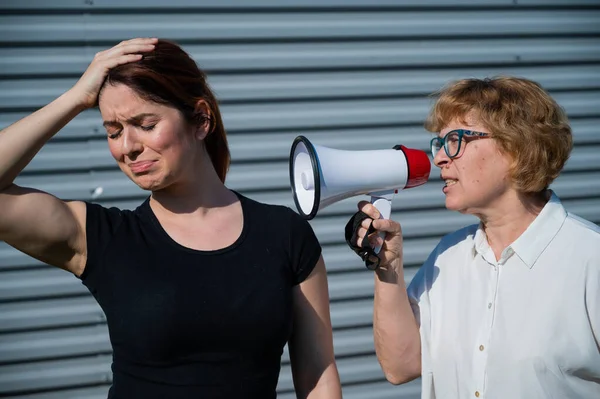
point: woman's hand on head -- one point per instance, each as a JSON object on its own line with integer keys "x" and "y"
{"x": 391, "y": 246}
{"x": 88, "y": 86}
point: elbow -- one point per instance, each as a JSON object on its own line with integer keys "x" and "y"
{"x": 404, "y": 375}
{"x": 404, "y": 371}
{"x": 399, "y": 354}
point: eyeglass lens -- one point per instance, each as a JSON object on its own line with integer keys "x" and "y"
{"x": 451, "y": 141}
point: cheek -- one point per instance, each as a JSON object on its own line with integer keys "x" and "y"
{"x": 481, "y": 170}
{"x": 490, "y": 170}
{"x": 173, "y": 144}
{"x": 164, "y": 136}
{"x": 162, "y": 140}
{"x": 113, "y": 148}
{"x": 477, "y": 171}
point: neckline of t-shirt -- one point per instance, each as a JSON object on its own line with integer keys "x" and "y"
{"x": 165, "y": 236}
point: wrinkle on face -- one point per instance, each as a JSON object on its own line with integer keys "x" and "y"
{"x": 481, "y": 169}
{"x": 169, "y": 144}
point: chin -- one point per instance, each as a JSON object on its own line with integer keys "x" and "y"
{"x": 148, "y": 187}
{"x": 151, "y": 186}
{"x": 147, "y": 183}
{"x": 451, "y": 205}
{"x": 455, "y": 206}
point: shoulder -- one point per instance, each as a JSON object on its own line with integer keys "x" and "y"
{"x": 463, "y": 237}
{"x": 461, "y": 234}
{"x": 452, "y": 244}
{"x": 98, "y": 211}
{"x": 108, "y": 219}
{"x": 574, "y": 232}
{"x": 113, "y": 211}
{"x": 582, "y": 227}
{"x": 271, "y": 212}
{"x": 583, "y": 238}
{"x": 94, "y": 207}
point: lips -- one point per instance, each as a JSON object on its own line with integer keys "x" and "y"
{"x": 448, "y": 180}
{"x": 140, "y": 166}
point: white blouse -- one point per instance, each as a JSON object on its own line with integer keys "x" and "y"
{"x": 526, "y": 326}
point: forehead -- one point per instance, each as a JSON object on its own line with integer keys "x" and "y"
{"x": 121, "y": 100}
{"x": 468, "y": 122}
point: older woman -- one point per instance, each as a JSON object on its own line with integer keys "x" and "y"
{"x": 201, "y": 286}
{"x": 508, "y": 308}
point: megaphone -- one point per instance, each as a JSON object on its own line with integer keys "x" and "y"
{"x": 321, "y": 176}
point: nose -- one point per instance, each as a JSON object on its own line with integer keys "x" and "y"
{"x": 441, "y": 158}
{"x": 131, "y": 145}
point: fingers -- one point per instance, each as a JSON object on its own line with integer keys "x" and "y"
{"x": 133, "y": 46}
{"x": 90, "y": 83}
{"x": 139, "y": 40}
{"x": 124, "y": 59}
{"x": 390, "y": 243}
{"x": 387, "y": 225}
{"x": 374, "y": 239}
{"x": 369, "y": 209}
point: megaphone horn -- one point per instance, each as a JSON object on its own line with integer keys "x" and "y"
{"x": 321, "y": 176}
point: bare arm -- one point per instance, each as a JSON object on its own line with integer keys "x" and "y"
{"x": 44, "y": 227}
{"x": 396, "y": 333}
{"x": 395, "y": 329}
{"x": 311, "y": 345}
{"x": 35, "y": 222}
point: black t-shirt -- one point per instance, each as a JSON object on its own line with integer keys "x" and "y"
{"x": 197, "y": 324}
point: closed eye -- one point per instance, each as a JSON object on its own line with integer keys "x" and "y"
{"x": 114, "y": 135}
{"x": 147, "y": 128}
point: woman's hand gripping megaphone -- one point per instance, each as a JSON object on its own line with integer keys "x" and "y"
{"x": 384, "y": 233}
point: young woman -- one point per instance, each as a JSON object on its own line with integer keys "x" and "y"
{"x": 201, "y": 286}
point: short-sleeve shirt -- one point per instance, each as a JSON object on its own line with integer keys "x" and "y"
{"x": 185, "y": 323}
{"x": 524, "y": 326}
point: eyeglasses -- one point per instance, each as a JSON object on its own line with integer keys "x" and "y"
{"x": 452, "y": 141}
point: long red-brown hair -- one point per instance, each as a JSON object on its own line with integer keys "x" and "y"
{"x": 168, "y": 75}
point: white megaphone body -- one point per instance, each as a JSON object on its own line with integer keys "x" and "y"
{"x": 321, "y": 176}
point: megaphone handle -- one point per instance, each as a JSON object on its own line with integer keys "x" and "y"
{"x": 384, "y": 206}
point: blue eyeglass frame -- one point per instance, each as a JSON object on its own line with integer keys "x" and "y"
{"x": 461, "y": 133}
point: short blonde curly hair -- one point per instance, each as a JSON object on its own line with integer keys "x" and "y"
{"x": 525, "y": 121}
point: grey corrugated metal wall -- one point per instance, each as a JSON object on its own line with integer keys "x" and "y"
{"x": 349, "y": 74}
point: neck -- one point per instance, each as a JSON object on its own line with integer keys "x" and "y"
{"x": 505, "y": 224}
{"x": 198, "y": 194}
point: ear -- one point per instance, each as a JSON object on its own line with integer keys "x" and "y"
{"x": 203, "y": 119}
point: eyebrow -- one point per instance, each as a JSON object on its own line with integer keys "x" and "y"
{"x": 133, "y": 120}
